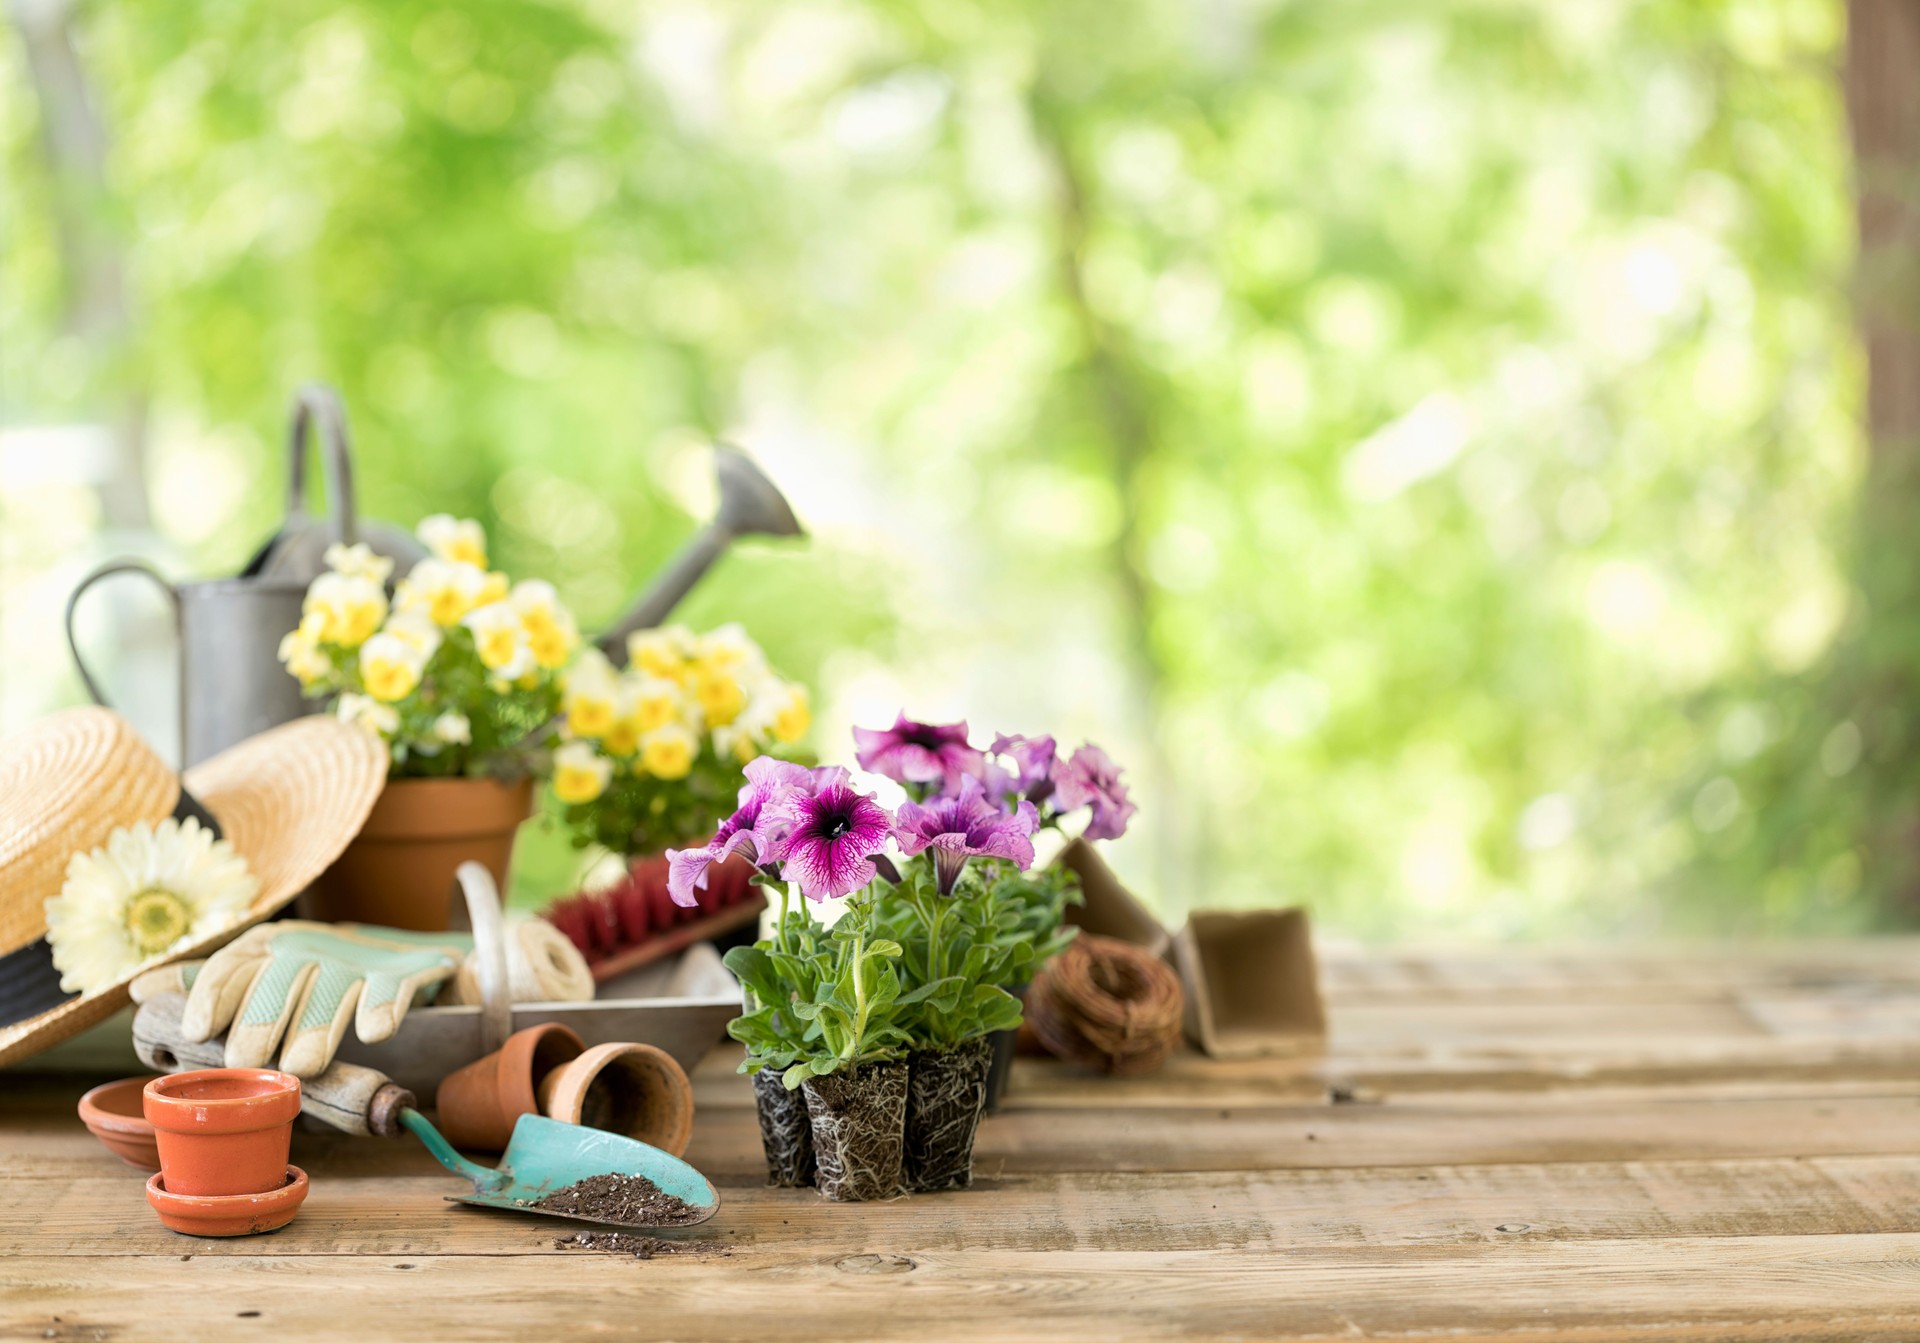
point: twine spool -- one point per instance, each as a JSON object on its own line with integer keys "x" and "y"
{"x": 1109, "y": 1005}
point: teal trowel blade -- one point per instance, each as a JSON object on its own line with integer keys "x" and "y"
{"x": 545, "y": 1156}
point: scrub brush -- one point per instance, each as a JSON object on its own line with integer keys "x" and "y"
{"x": 635, "y": 922}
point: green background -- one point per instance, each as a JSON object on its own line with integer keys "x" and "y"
{"x": 1419, "y": 440}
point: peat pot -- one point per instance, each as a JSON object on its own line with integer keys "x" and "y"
{"x": 946, "y": 1095}
{"x": 786, "y": 1131}
{"x": 859, "y": 1123}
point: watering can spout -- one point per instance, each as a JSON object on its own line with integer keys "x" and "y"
{"x": 750, "y": 505}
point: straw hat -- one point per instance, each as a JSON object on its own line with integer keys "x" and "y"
{"x": 288, "y": 800}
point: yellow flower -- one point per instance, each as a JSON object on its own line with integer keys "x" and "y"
{"x": 500, "y": 641}
{"x": 349, "y": 609}
{"x": 622, "y": 739}
{"x": 663, "y": 652}
{"x": 493, "y": 588}
{"x": 653, "y": 703}
{"x": 390, "y": 667}
{"x": 443, "y": 590}
{"x": 669, "y": 752}
{"x": 459, "y": 539}
{"x": 580, "y": 774}
{"x": 729, "y": 649}
{"x": 358, "y": 561}
{"x": 300, "y": 651}
{"x": 590, "y": 693}
{"x": 794, "y": 715}
{"x": 719, "y": 695}
{"x": 415, "y": 629}
{"x": 368, "y": 713}
{"x": 551, "y": 631}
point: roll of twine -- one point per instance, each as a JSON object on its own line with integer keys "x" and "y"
{"x": 1107, "y": 1004}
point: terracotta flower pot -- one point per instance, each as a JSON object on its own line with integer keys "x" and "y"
{"x": 786, "y": 1131}
{"x": 859, "y": 1123}
{"x": 398, "y": 872}
{"x": 222, "y": 1130}
{"x": 479, "y": 1105}
{"x": 946, "y": 1094}
{"x": 113, "y": 1113}
{"x": 636, "y": 1091}
{"x": 230, "y": 1214}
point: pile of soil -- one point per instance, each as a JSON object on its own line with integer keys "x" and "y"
{"x": 640, "y": 1247}
{"x": 631, "y": 1200}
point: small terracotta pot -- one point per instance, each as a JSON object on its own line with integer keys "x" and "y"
{"x": 222, "y": 1130}
{"x": 479, "y": 1105}
{"x": 636, "y": 1091}
{"x": 230, "y": 1214}
{"x": 399, "y": 871}
{"x": 112, "y": 1113}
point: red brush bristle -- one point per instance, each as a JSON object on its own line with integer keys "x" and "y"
{"x": 630, "y": 907}
{"x": 638, "y": 907}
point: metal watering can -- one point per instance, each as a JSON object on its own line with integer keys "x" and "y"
{"x": 232, "y": 685}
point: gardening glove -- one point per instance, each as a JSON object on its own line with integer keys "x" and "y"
{"x": 305, "y": 982}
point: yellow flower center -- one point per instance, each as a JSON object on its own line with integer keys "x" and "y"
{"x": 498, "y": 646}
{"x": 577, "y": 785}
{"x": 390, "y": 681}
{"x": 667, "y": 757}
{"x": 720, "y": 696}
{"x": 156, "y": 919}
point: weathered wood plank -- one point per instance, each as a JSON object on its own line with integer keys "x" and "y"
{"x": 403, "y": 1212}
{"x": 1790, "y": 1287}
{"x": 1435, "y": 1131}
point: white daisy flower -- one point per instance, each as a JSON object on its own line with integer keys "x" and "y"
{"x": 150, "y": 890}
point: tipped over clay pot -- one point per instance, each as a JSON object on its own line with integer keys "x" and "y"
{"x": 636, "y": 1091}
{"x": 222, "y": 1130}
{"x": 479, "y": 1105}
{"x": 229, "y": 1214}
{"x": 112, "y": 1113}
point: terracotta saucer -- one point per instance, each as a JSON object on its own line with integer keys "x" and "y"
{"x": 228, "y": 1214}
{"x": 112, "y": 1114}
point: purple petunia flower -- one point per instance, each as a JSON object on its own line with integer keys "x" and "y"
{"x": 962, "y": 825}
{"x": 834, "y": 834}
{"x": 1034, "y": 761}
{"x": 910, "y": 752}
{"x": 1090, "y": 776}
{"x": 753, "y": 827}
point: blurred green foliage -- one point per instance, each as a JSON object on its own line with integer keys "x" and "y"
{"x": 1421, "y": 438}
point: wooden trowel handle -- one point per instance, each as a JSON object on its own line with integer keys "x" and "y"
{"x": 346, "y": 1096}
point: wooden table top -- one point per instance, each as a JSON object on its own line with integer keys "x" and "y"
{"x": 1598, "y": 1145}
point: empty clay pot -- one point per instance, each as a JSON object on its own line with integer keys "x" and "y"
{"x": 636, "y": 1091}
{"x": 230, "y": 1214}
{"x": 479, "y": 1105}
{"x": 222, "y": 1130}
{"x": 112, "y": 1113}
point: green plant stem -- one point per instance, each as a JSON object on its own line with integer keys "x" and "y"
{"x": 859, "y": 996}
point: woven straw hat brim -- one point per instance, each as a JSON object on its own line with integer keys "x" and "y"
{"x": 66, "y": 783}
{"x": 289, "y": 800}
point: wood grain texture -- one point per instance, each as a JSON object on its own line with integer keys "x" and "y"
{"x": 1546, "y": 1146}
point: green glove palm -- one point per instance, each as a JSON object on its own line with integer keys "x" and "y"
{"x": 305, "y": 981}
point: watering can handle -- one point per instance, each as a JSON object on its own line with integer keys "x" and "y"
{"x": 317, "y": 402}
{"x": 108, "y": 570}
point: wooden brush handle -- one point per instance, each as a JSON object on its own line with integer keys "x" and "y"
{"x": 353, "y": 1099}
